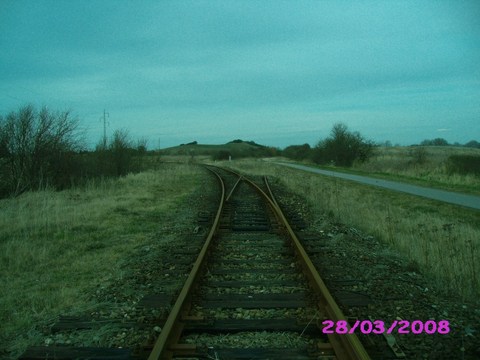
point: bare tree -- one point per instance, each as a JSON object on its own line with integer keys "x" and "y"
{"x": 35, "y": 146}
{"x": 142, "y": 145}
{"x": 419, "y": 155}
{"x": 121, "y": 149}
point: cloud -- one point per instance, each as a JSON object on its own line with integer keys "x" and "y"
{"x": 295, "y": 67}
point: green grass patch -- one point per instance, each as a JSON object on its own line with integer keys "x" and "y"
{"x": 464, "y": 164}
{"x": 448, "y": 168}
{"x": 56, "y": 247}
{"x": 443, "y": 239}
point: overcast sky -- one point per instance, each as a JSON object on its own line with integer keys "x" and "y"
{"x": 275, "y": 72}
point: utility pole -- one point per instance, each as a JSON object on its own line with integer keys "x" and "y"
{"x": 105, "y": 114}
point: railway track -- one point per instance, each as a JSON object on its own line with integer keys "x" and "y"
{"x": 251, "y": 293}
{"x": 252, "y": 279}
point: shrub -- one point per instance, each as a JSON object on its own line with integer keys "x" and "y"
{"x": 297, "y": 152}
{"x": 37, "y": 148}
{"x": 435, "y": 142}
{"x": 463, "y": 164}
{"x": 116, "y": 158}
{"x": 418, "y": 154}
{"x": 473, "y": 144}
{"x": 221, "y": 155}
{"x": 343, "y": 147}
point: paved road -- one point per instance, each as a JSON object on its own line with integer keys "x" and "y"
{"x": 470, "y": 201}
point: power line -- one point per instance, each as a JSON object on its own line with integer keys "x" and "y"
{"x": 105, "y": 114}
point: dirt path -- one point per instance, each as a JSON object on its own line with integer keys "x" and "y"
{"x": 470, "y": 201}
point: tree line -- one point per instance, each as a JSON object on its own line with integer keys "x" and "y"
{"x": 343, "y": 147}
{"x": 443, "y": 142}
{"x": 43, "y": 148}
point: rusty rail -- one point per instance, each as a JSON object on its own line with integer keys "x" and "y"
{"x": 172, "y": 329}
{"x": 346, "y": 346}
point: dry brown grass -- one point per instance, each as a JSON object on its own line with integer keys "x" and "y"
{"x": 444, "y": 240}
{"x": 400, "y": 162}
{"x": 55, "y": 247}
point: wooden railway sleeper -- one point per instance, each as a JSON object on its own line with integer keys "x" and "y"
{"x": 340, "y": 346}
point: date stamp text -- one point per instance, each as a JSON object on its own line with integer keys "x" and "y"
{"x": 379, "y": 327}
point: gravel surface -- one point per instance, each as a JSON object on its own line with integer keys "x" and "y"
{"x": 246, "y": 340}
{"x": 239, "y": 313}
{"x": 396, "y": 288}
{"x": 120, "y": 321}
{"x": 349, "y": 260}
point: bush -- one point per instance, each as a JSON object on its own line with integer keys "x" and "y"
{"x": 116, "y": 159}
{"x": 41, "y": 149}
{"x": 435, "y": 142}
{"x": 463, "y": 164}
{"x": 221, "y": 155}
{"x": 473, "y": 144}
{"x": 342, "y": 148}
{"x": 297, "y": 152}
{"x": 37, "y": 149}
{"x": 418, "y": 154}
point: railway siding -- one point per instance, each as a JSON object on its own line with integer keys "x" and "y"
{"x": 253, "y": 299}
{"x": 371, "y": 281}
{"x": 251, "y": 224}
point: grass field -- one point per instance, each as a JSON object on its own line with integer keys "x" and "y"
{"x": 441, "y": 240}
{"x": 57, "y": 247}
{"x": 426, "y": 165}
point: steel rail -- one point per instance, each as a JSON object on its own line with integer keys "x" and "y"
{"x": 172, "y": 327}
{"x": 346, "y": 346}
{"x": 234, "y": 187}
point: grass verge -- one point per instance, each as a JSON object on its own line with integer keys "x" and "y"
{"x": 429, "y": 169}
{"x": 403, "y": 164}
{"x": 57, "y": 247}
{"x": 442, "y": 240}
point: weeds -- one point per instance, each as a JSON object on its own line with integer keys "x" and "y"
{"x": 55, "y": 247}
{"x": 442, "y": 240}
{"x": 445, "y": 167}
{"x": 463, "y": 164}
